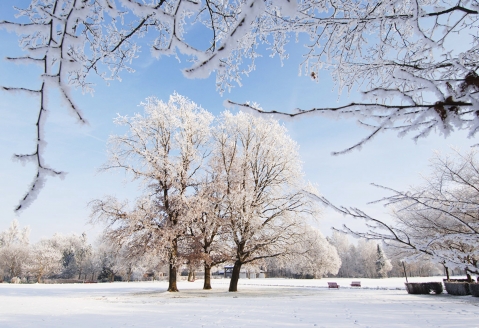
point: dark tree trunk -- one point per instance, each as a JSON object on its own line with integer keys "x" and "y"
{"x": 469, "y": 278}
{"x": 207, "y": 282}
{"x": 447, "y": 272}
{"x": 191, "y": 276}
{"x": 172, "y": 279}
{"x": 172, "y": 270}
{"x": 404, "y": 267}
{"x": 235, "y": 277}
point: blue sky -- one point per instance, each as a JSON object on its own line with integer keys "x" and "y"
{"x": 80, "y": 150}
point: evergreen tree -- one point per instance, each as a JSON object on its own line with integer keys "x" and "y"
{"x": 383, "y": 265}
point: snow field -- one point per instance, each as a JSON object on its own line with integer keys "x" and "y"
{"x": 259, "y": 303}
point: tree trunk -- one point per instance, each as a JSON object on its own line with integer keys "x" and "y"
{"x": 207, "y": 283}
{"x": 447, "y": 272}
{"x": 172, "y": 269}
{"x": 469, "y": 279}
{"x": 12, "y": 272}
{"x": 235, "y": 277}
{"x": 404, "y": 267}
{"x": 172, "y": 278}
{"x": 190, "y": 276}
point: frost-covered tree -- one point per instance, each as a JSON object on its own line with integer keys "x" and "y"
{"x": 45, "y": 259}
{"x": 357, "y": 259}
{"x": 420, "y": 266}
{"x": 165, "y": 150}
{"x": 383, "y": 264}
{"x": 366, "y": 259}
{"x": 126, "y": 265}
{"x": 264, "y": 201}
{"x": 14, "y": 250}
{"x": 250, "y": 206}
{"x": 151, "y": 267}
{"x": 437, "y": 218}
{"x": 416, "y": 60}
{"x": 117, "y": 262}
{"x": 313, "y": 256}
{"x": 91, "y": 265}
{"x": 75, "y": 249}
{"x": 83, "y": 251}
{"x": 109, "y": 260}
{"x": 343, "y": 246}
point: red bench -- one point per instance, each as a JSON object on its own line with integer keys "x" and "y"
{"x": 356, "y": 284}
{"x": 333, "y": 285}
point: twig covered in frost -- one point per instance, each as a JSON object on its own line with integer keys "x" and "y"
{"x": 401, "y": 118}
{"x": 415, "y": 60}
{"x": 50, "y": 40}
{"x": 399, "y": 50}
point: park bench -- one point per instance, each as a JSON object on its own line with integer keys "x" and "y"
{"x": 333, "y": 285}
{"x": 356, "y": 284}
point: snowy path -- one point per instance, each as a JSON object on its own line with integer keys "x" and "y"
{"x": 255, "y": 305}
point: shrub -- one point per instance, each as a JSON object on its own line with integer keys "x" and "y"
{"x": 424, "y": 288}
{"x": 457, "y": 288}
{"x": 474, "y": 289}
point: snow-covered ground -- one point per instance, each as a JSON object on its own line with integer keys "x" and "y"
{"x": 259, "y": 303}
